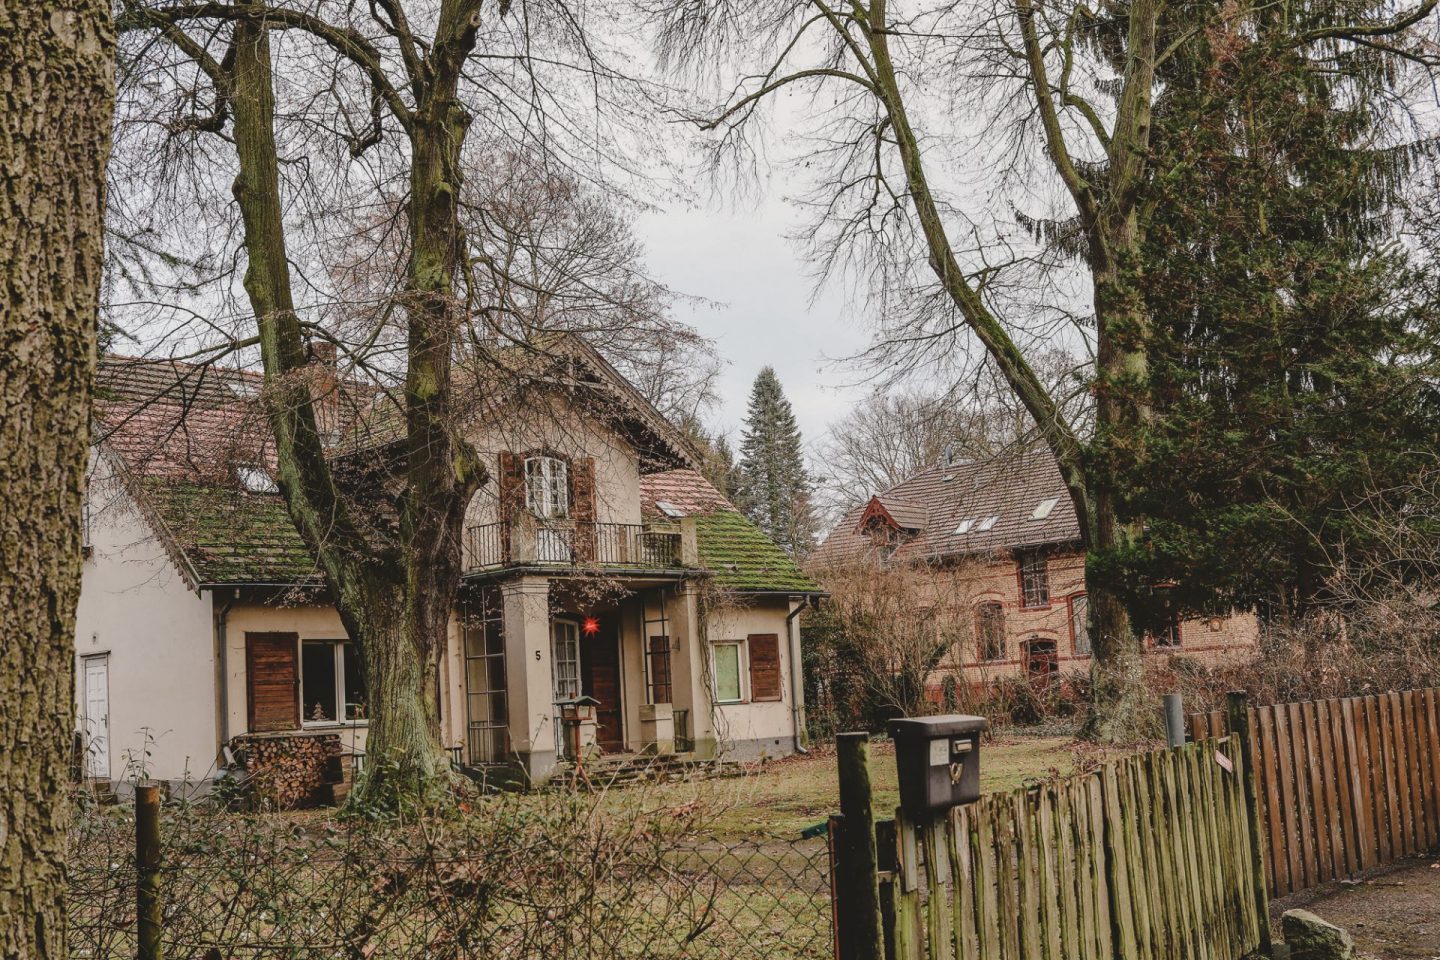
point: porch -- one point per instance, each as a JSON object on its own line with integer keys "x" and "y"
{"x": 550, "y": 671}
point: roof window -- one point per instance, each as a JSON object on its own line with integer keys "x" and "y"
{"x": 1044, "y": 507}
{"x": 965, "y": 527}
{"x": 256, "y": 479}
{"x": 988, "y": 523}
{"x": 669, "y": 509}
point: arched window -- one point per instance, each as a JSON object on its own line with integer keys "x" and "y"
{"x": 547, "y": 487}
{"x": 990, "y": 631}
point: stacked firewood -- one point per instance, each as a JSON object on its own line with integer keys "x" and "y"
{"x": 287, "y": 772}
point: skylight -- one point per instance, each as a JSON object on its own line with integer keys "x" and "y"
{"x": 669, "y": 509}
{"x": 256, "y": 479}
{"x": 1043, "y": 508}
{"x": 965, "y": 527}
{"x": 988, "y": 523}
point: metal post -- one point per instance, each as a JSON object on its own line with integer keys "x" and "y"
{"x": 147, "y": 871}
{"x": 1174, "y": 720}
{"x": 1237, "y": 710}
{"x": 857, "y": 879}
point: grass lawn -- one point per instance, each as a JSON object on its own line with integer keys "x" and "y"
{"x": 781, "y": 798}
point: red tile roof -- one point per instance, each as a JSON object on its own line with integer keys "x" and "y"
{"x": 686, "y": 490}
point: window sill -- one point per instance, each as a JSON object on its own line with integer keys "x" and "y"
{"x": 334, "y": 724}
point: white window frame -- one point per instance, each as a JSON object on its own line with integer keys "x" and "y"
{"x": 547, "y": 487}
{"x": 555, "y": 659}
{"x": 337, "y": 645}
{"x": 742, "y": 663}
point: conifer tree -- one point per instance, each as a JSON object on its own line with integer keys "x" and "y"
{"x": 774, "y": 485}
{"x": 1295, "y": 354}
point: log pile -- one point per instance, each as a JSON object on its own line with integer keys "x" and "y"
{"x": 290, "y": 771}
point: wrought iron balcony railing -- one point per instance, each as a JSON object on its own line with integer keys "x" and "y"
{"x": 532, "y": 542}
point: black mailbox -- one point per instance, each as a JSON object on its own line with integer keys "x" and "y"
{"x": 938, "y": 760}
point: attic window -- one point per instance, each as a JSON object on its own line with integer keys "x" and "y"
{"x": 256, "y": 479}
{"x": 243, "y": 387}
{"x": 987, "y": 524}
{"x": 965, "y": 527}
{"x": 1044, "y": 507}
{"x": 669, "y": 509}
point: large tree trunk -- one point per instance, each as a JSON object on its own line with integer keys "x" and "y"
{"x": 395, "y": 598}
{"x": 56, "y": 94}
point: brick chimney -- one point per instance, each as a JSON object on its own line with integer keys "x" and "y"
{"x": 324, "y": 383}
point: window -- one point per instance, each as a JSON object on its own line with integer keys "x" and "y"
{"x": 565, "y": 648}
{"x": 1034, "y": 581}
{"x": 332, "y": 685}
{"x": 1168, "y": 635}
{"x": 256, "y": 479}
{"x": 657, "y": 670}
{"x": 725, "y": 663}
{"x": 988, "y": 523}
{"x": 1080, "y": 624}
{"x": 669, "y": 509}
{"x": 990, "y": 631}
{"x": 964, "y": 528}
{"x": 547, "y": 487}
{"x": 1044, "y": 508}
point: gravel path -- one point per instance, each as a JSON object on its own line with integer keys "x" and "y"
{"x": 1392, "y": 914}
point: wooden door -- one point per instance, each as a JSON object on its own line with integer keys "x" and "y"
{"x": 272, "y": 681}
{"x": 601, "y": 655}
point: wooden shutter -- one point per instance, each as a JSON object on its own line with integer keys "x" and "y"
{"x": 764, "y": 666}
{"x": 511, "y": 496}
{"x": 582, "y": 507}
{"x": 272, "y": 681}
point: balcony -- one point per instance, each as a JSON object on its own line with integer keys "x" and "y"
{"x": 529, "y": 542}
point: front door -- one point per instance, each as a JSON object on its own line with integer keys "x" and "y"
{"x": 1040, "y": 661}
{"x": 97, "y": 717}
{"x": 601, "y": 656}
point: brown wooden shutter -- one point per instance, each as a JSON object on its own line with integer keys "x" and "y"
{"x": 272, "y": 681}
{"x": 582, "y": 507}
{"x": 511, "y": 496}
{"x": 764, "y": 666}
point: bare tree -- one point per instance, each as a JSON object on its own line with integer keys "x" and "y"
{"x": 1074, "y": 89}
{"x": 56, "y": 94}
{"x": 371, "y": 127}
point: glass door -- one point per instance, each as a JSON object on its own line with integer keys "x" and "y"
{"x": 565, "y": 670}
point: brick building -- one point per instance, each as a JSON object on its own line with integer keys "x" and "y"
{"x": 995, "y": 550}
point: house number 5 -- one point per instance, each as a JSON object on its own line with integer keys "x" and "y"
{"x": 537, "y": 654}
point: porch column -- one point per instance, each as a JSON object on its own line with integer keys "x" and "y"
{"x": 525, "y": 609}
{"x": 691, "y": 687}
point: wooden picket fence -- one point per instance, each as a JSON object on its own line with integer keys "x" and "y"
{"x": 1342, "y": 785}
{"x": 1148, "y": 856}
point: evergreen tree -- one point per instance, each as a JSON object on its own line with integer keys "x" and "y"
{"x": 1294, "y": 355}
{"x": 775, "y": 490}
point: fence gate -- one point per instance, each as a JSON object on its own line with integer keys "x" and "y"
{"x": 1148, "y": 856}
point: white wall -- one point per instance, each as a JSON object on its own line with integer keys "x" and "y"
{"x": 158, "y": 634}
{"x": 748, "y": 730}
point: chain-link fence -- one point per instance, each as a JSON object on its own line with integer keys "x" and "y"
{"x": 550, "y": 876}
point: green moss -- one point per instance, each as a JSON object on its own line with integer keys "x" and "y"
{"x": 230, "y": 536}
{"x": 740, "y": 557}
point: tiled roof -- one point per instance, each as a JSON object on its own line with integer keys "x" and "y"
{"x": 179, "y": 459}
{"x": 1009, "y": 489}
{"x": 737, "y": 553}
{"x": 907, "y": 514}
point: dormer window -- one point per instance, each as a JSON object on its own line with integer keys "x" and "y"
{"x": 547, "y": 487}
{"x": 256, "y": 479}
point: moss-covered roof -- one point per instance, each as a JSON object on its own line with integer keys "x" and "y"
{"x": 230, "y": 536}
{"x": 742, "y": 558}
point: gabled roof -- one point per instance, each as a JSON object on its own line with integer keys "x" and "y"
{"x": 737, "y": 554}
{"x": 970, "y": 508}
{"x": 895, "y": 512}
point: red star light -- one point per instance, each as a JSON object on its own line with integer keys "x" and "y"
{"x": 591, "y": 625}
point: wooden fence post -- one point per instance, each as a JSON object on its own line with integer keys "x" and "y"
{"x": 147, "y": 871}
{"x": 1237, "y": 706}
{"x": 857, "y": 878}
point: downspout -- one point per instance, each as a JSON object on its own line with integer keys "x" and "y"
{"x": 797, "y": 673}
{"x": 221, "y": 618}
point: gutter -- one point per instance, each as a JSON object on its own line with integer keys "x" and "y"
{"x": 797, "y": 670}
{"x": 221, "y": 617}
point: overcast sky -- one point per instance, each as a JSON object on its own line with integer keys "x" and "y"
{"x": 743, "y": 261}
